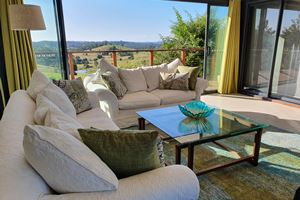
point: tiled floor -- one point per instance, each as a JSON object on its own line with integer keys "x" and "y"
{"x": 281, "y": 116}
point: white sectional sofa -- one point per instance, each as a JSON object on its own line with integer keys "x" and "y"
{"x": 131, "y": 102}
{"x": 18, "y": 180}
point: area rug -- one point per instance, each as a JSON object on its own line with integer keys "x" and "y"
{"x": 276, "y": 177}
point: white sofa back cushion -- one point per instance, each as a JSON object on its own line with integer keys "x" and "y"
{"x": 151, "y": 74}
{"x": 49, "y": 114}
{"x": 60, "y": 99}
{"x": 172, "y": 66}
{"x": 133, "y": 79}
{"x": 37, "y": 83}
{"x": 66, "y": 164}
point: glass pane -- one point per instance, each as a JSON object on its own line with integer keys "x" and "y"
{"x": 46, "y": 42}
{"x": 286, "y": 79}
{"x": 261, "y": 45}
{"x": 171, "y": 121}
{"x": 216, "y": 36}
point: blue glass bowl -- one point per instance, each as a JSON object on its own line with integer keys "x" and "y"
{"x": 196, "y": 110}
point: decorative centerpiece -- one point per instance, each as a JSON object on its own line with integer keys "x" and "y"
{"x": 196, "y": 110}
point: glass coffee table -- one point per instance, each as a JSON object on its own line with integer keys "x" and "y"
{"x": 189, "y": 132}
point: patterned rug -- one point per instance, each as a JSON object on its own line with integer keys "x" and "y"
{"x": 276, "y": 177}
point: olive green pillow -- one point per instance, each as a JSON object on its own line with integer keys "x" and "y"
{"x": 193, "y": 74}
{"x": 126, "y": 152}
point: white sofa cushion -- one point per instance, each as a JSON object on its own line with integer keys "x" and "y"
{"x": 59, "y": 98}
{"x": 65, "y": 163}
{"x": 96, "y": 118}
{"x": 172, "y": 66}
{"x": 133, "y": 79}
{"x": 138, "y": 100}
{"x": 174, "y": 96}
{"x": 49, "y": 114}
{"x": 37, "y": 83}
{"x": 175, "y": 182}
{"x": 152, "y": 74}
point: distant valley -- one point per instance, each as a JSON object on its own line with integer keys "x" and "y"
{"x": 52, "y": 46}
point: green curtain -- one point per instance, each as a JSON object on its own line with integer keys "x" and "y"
{"x": 230, "y": 61}
{"x": 18, "y": 52}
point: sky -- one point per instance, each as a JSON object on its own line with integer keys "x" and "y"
{"x": 127, "y": 20}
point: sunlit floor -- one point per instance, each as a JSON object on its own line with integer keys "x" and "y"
{"x": 278, "y": 115}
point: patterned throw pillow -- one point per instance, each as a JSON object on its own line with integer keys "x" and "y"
{"x": 126, "y": 152}
{"x": 114, "y": 83}
{"x": 76, "y": 93}
{"x": 174, "y": 81}
{"x": 166, "y": 79}
{"x": 193, "y": 74}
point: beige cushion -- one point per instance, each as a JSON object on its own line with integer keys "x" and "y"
{"x": 96, "y": 118}
{"x": 60, "y": 99}
{"x": 151, "y": 74}
{"x": 172, "y": 66}
{"x": 65, "y": 163}
{"x": 103, "y": 67}
{"x": 174, "y": 96}
{"x": 37, "y": 83}
{"x": 138, "y": 100}
{"x": 133, "y": 79}
{"x": 49, "y": 114}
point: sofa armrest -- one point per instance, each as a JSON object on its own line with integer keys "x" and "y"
{"x": 108, "y": 101}
{"x": 174, "y": 182}
{"x": 201, "y": 85}
{"x": 94, "y": 100}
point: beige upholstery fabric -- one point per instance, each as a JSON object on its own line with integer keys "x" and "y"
{"x": 96, "y": 118}
{"x": 60, "y": 99}
{"x": 151, "y": 74}
{"x": 201, "y": 85}
{"x": 65, "y": 163}
{"x": 138, "y": 100}
{"x": 172, "y": 66}
{"x": 174, "y": 96}
{"x": 175, "y": 182}
{"x": 49, "y": 114}
{"x": 18, "y": 180}
{"x": 37, "y": 83}
{"x": 133, "y": 79}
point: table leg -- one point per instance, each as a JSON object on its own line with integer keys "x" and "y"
{"x": 177, "y": 154}
{"x": 257, "y": 142}
{"x": 191, "y": 156}
{"x": 141, "y": 123}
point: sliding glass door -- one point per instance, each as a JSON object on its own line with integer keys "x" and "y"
{"x": 271, "y": 63}
{"x": 261, "y": 39}
{"x": 217, "y": 22}
{"x": 286, "y": 78}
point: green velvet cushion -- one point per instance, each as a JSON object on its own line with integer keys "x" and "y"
{"x": 126, "y": 152}
{"x": 193, "y": 74}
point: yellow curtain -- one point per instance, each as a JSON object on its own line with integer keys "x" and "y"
{"x": 18, "y": 52}
{"x": 230, "y": 61}
{"x": 2, "y": 92}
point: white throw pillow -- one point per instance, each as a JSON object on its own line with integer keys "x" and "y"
{"x": 37, "y": 83}
{"x": 60, "y": 99}
{"x": 66, "y": 164}
{"x": 172, "y": 66}
{"x": 49, "y": 114}
{"x": 133, "y": 79}
{"x": 152, "y": 74}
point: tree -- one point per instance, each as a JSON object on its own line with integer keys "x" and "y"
{"x": 189, "y": 34}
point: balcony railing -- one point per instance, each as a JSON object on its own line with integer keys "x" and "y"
{"x": 114, "y": 54}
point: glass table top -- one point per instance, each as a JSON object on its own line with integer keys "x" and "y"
{"x": 221, "y": 123}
